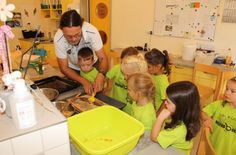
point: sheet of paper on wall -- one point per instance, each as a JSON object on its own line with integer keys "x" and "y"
{"x": 158, "y": 28}
{"x": 229, "y": 12}
{"x": 159, "y": 23}
{"x": 188, "y": 19}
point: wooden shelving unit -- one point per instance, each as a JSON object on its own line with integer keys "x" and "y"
{"x": 53, "y": 9}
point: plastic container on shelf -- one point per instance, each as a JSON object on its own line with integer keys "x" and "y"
{"x": 228, "y": 57}
{"x": 189, "y": 51}
{"x": 109, "y": 131}
{"x": 22, "y": 106}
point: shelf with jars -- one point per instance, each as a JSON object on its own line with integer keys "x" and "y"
{"x": 51, "y": 9}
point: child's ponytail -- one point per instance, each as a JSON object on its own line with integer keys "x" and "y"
{"x": 166, "y": 62}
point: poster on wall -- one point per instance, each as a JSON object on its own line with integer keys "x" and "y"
{"x": 16, "y": 20}
{"x": 186, "y": 18}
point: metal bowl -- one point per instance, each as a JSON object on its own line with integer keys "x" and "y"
{"x": 50, "y": 93}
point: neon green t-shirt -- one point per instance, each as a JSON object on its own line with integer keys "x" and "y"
{"x": 223, "y": 137}
{"x": 119, "y": 87}
{"x": 175, "y": 137}
{"x": 161, "y": 83}
{"x": 145, "y": 114}
{"x": 91, "y": 76}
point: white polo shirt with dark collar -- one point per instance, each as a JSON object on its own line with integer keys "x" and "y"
{"x": 90, "y": 38}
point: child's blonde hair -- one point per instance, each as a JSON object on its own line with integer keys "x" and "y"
{"x": 134, "y": 63}
{"x": 143, "y": 83}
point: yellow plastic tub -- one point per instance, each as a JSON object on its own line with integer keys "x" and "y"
{"x": 104, "y": 130}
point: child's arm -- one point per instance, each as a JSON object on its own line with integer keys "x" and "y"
{"x": 108, "y": 87}
{"x": 164, "y": 114}
{"x": 207, "y": 121}
{"x": 161, "y": 108}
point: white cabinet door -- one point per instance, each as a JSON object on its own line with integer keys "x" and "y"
{"x": 55, "y": 136}
{"x": 6, "y": 148}
{"x": 28, "y": 144}
{"x": 61, "y": 150}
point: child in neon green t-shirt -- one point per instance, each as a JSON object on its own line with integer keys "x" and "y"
{"x": 141, "y": 90}
{"x": 130, "y": 65}
{"x": 85, "y": 62}
{"x": 220, "y": 117}
{"x": 179, "y": 122}
{"x": 158, "y": 67}
{"x": 116, "y": 83}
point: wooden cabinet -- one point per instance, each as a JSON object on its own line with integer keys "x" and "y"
{"x": 206, "y": 79}
{"x": 180, "y": 73}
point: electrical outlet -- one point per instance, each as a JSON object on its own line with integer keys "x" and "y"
{"x": 149, "y": 32}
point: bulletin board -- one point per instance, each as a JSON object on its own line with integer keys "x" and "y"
{"x": 194, "y": 19}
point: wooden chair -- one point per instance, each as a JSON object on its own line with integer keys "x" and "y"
{"x": 205, "y": 146}
{"x": 114, "y": 57}
{"x": 205, "y": 89}
{"x": 225, "y": 76}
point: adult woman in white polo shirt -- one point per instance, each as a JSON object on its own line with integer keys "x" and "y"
{"x": 73, "y": 35}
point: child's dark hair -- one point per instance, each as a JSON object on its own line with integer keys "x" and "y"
{"x": 185, "y": 96}
{"x": 128, "y": 51}
{"x": 156, "y": 57}
{"x": 85, "y": 52}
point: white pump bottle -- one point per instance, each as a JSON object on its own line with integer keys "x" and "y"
{"x": 22, "y": 106}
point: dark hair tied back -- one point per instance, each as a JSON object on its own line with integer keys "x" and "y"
{"x": 70, "y": 18}
{"x": 166, "y": 62}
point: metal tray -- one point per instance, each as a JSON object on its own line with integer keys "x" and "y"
{"x": 100, "y": 98}
{"x": 58, "y": 83}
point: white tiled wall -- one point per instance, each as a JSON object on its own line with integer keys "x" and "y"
{"x": 53, "y": 140}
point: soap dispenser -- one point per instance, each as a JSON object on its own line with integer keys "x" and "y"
{"x": 22, "y": 105}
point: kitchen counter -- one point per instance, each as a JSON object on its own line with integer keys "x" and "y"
{"x": 48, "y": 136}
{"x": 41, "y": 40}
{"x": 46, "y": 115}
{"x": 178, "y": 61}
{"x": 48, "y": 71}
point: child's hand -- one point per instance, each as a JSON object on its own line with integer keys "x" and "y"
{"x": 208, "y": 123}
{"x": 164, "y": 114}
